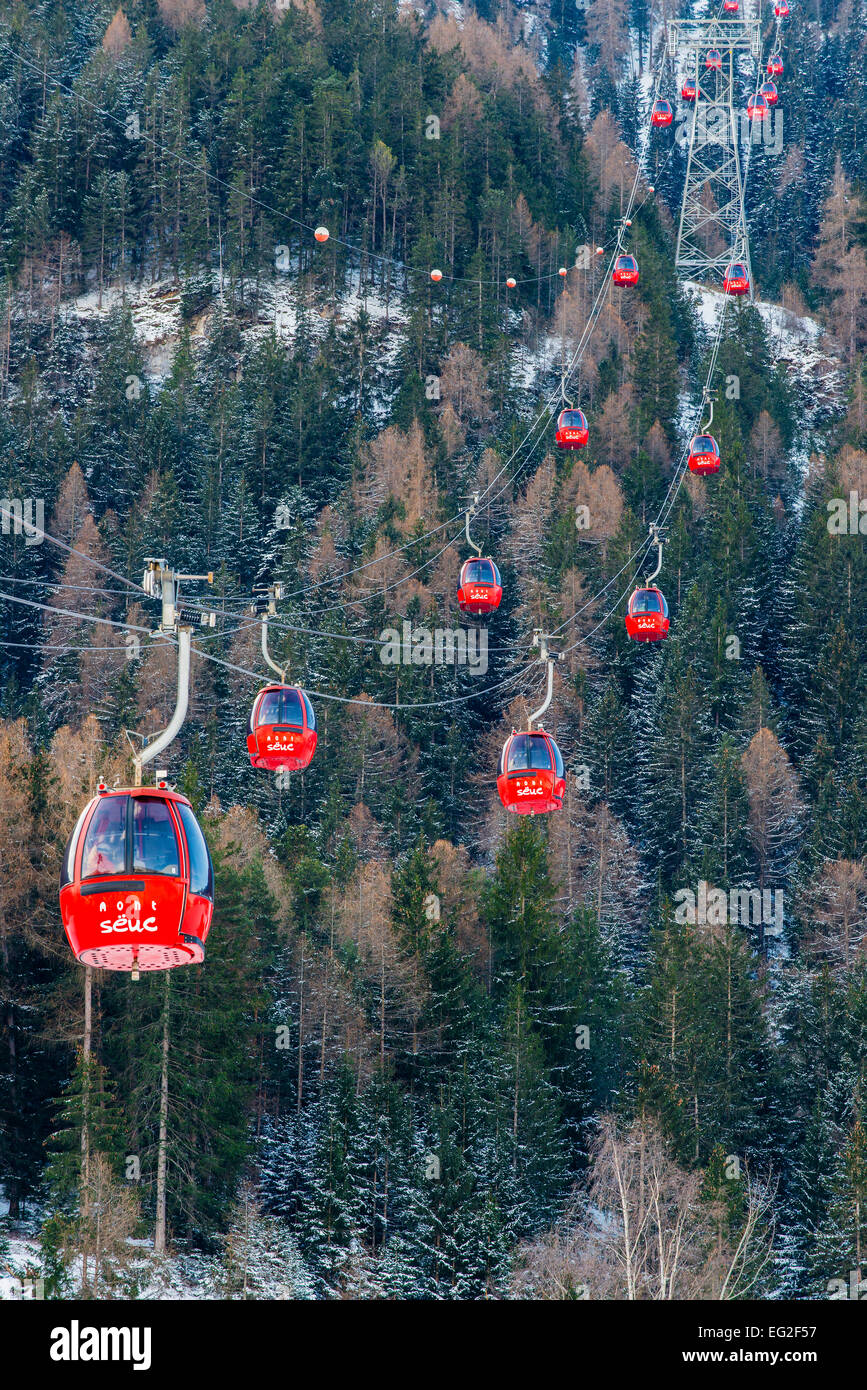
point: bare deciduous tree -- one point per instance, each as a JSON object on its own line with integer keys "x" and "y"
{"x": 397, "y": 467}
{"x": 766, "y": 446}
{"x": 464, "y": 384}
{"x": 178, "y": 13}
{"x": 118, "y": 35}
{"x": 840, "y": 265}
{"x": 641, "y": 1230}
{"x": 608, "y": 29}
{"x": 776, "y": 808}
{"x": 836, "y": 912}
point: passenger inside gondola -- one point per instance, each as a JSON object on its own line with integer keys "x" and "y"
{"x": 105, "y": 847}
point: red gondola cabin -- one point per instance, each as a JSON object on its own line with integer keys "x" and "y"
{"x": 731, "y": 6}
{"x": 757, "y": 107}
{"x": 769, "y": 92}
{"x": 530, "y": 778}
{"x": 736, "y": 280}
{"x": 137, "y": 883}
{"x": 687, "y": 91}
{"x": 703, "y": 454}
{"x": 714, "y": 60}
{"x": 281, "y": 733}
{"x": 662, "y": 113}
{"x": 572, "y": 431}
{"x": 480, "y": 587}
{"x": 647, "y": 615}
{"x": 781, "y": 9}
{"x": 625, "y": 271}
{"x": 775, "y": 66}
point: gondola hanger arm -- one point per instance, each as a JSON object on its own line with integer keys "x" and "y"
{"x": 155, "y": 746}
{"x": 265, "y": 606}
{"x": 540, "y": 640}
{"x": 708, "y": 400}
{"x": 160, "y": 581}
{"x": 471, "y": 511}
{"x": 657, "y": 539}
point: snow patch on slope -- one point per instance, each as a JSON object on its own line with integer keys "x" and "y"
{"x": 155, "y": 310}
{"x": 812, "y": 361}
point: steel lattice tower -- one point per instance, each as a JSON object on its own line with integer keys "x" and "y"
{"x": 712, "y": 229}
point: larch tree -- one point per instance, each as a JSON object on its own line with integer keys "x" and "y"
{"x": 776, "y": 808}
{"x": 766, "y": 446}
{"x": 840, "y": 264}
{"x": 18, "y": 883}
{"x": 464, "y": 384}
{"x": 607, "y": 29}
{"x": 118, "y": 35}
{"x": 835, "y": 913}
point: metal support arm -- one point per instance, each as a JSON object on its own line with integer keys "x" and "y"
{"x": 541, "y": 641}
{"x": 657, "y": 539}
{"x": 161, "y": 582}
{"x": 153, "y": 749}
{"x": 471, "y": 512}
{"x": 279, "y": 670}
{"x": 708, "y": 401}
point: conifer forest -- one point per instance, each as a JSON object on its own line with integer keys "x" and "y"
{"x": 433, "y": 650}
